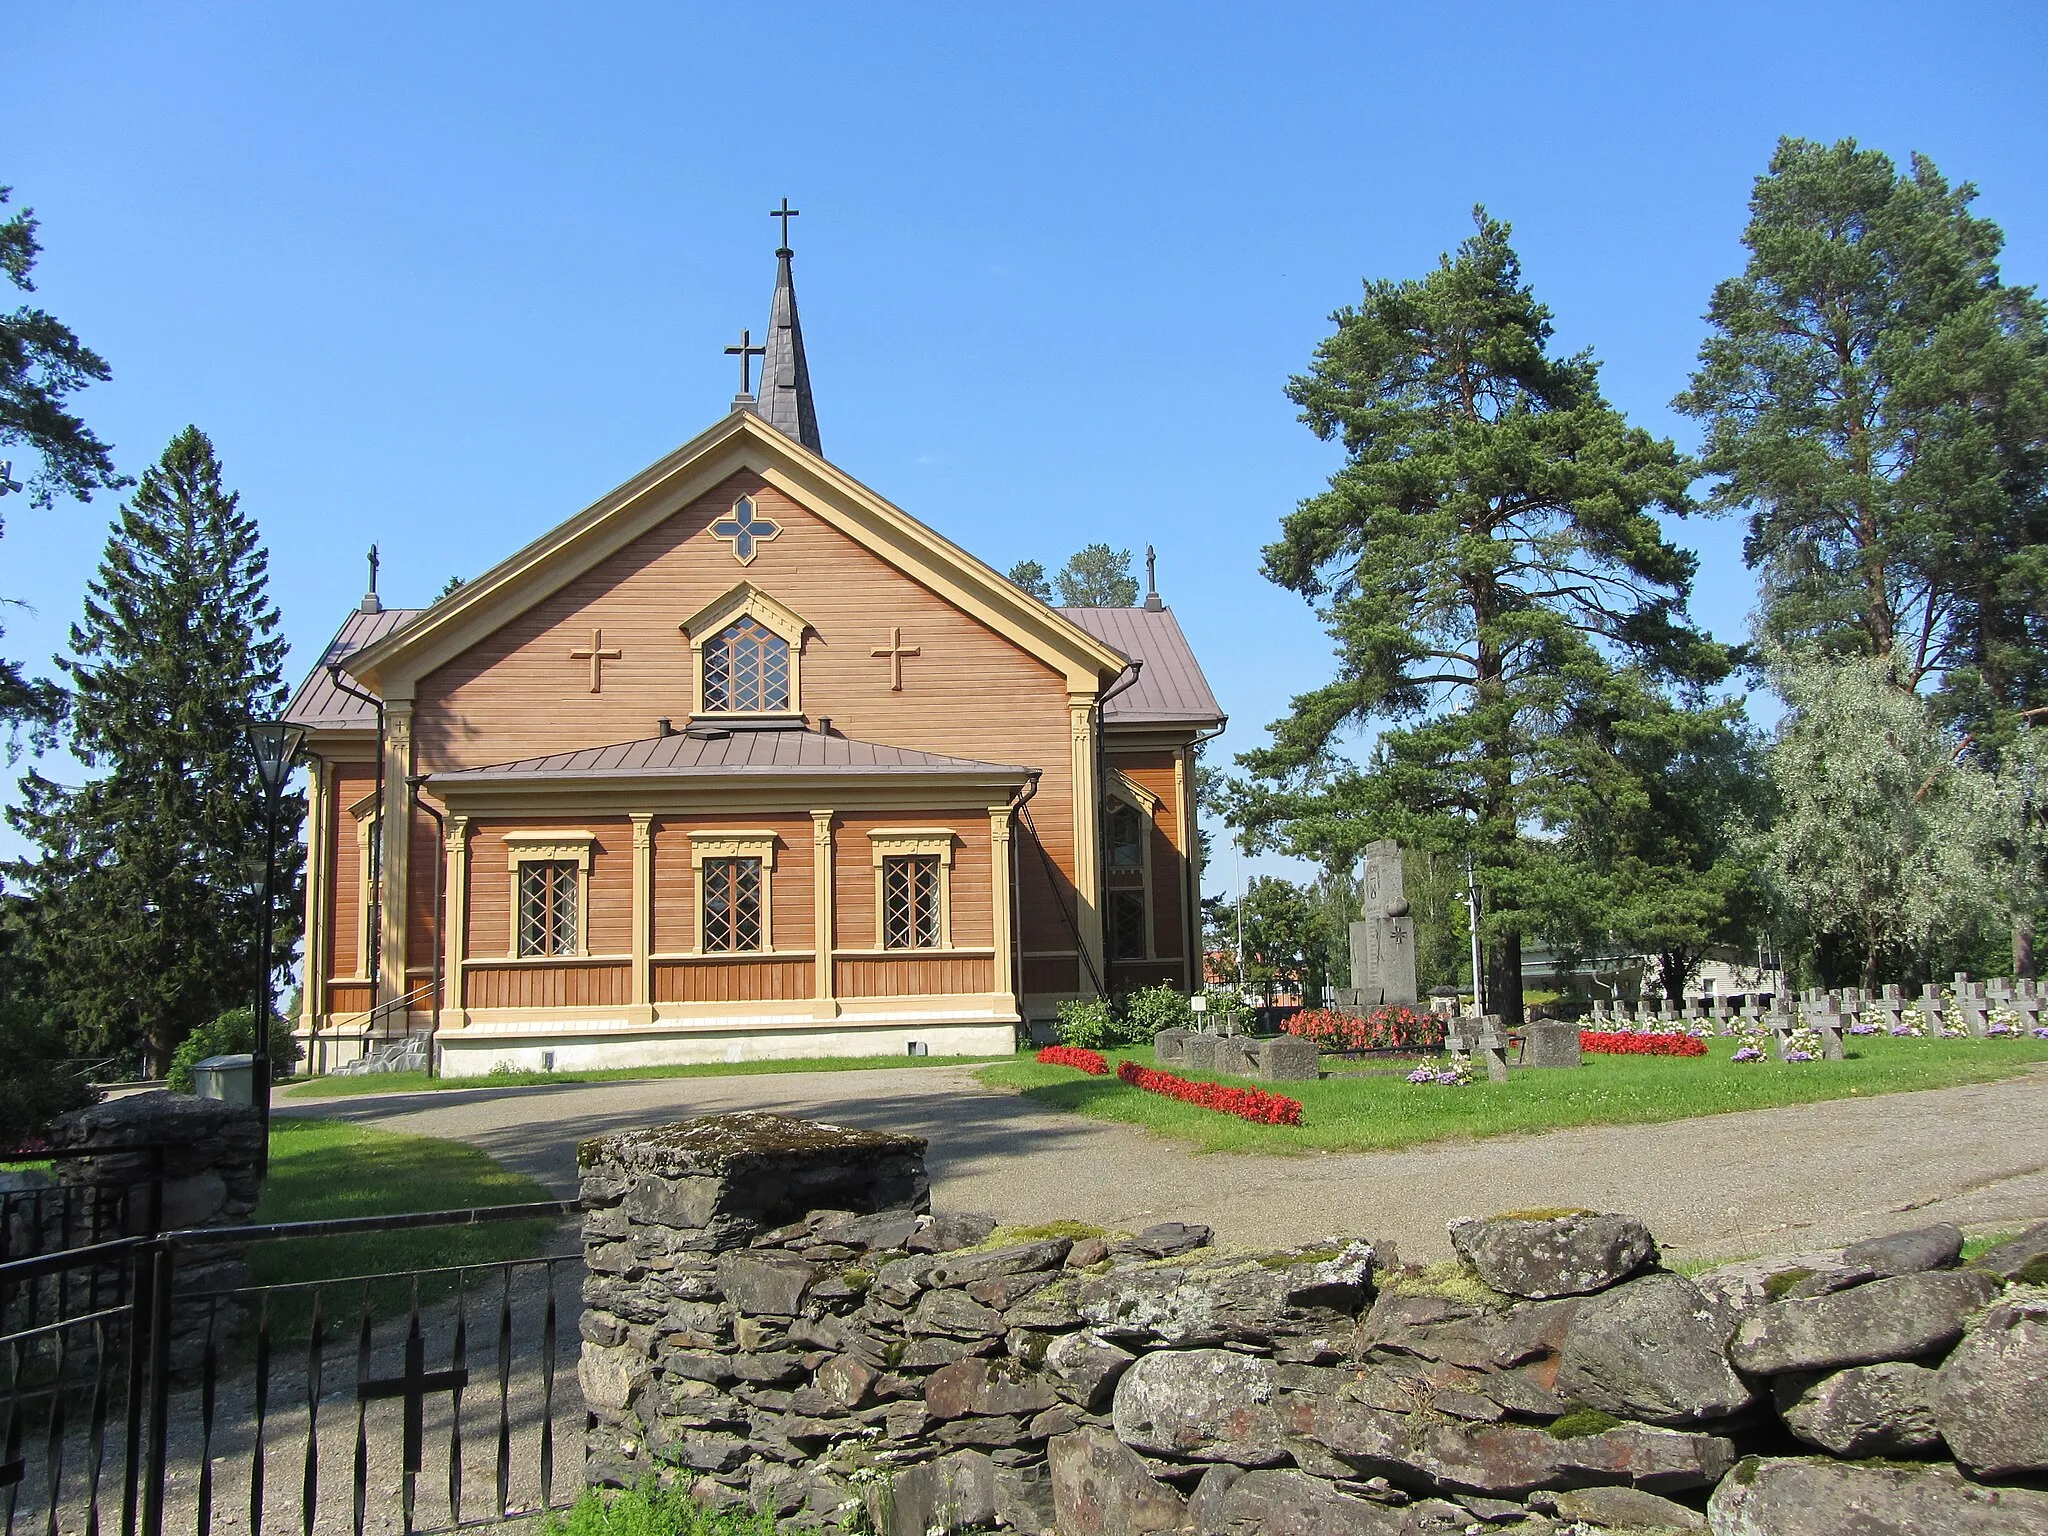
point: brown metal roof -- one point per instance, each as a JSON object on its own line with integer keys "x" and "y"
{"x": 1171, "y": 687}
{"x": 750, "y": 752}
{"x": 318, "y": 704}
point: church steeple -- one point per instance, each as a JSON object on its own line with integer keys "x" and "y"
{"x": 785, "y": 377}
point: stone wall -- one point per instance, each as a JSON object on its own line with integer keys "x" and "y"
{"x": 774, "y": 1317}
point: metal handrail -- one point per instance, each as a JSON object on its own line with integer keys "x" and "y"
{"x": 359, "y": 1025}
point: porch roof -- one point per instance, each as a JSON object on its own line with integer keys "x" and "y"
{"x": 747, "y": 753}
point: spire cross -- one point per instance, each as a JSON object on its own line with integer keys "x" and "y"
{"x": 373, "y": 570}
{"x": 746, "y": 352}
{"x": 784, "y": 213}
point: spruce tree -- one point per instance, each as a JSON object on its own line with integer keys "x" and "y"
{"x": 1490, "y": 563}
{"x": 1096, "y": 576}
{"x": 144, "y": 898}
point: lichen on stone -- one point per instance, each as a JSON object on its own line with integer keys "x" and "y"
{"x": 1784, "y": 1280}
{"x": 1452, "y": 1280}
{"x": 1581, "y": 1422}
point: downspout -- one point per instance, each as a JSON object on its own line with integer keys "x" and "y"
{"x": 376, "y": 843}
{"x": 1015, "y": 937}
{"x": 1198, "y": 959}
{"x": 1122, "y": 683}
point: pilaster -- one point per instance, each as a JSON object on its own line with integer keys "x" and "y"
{"x": 455, "y": 920}
{"x": 319, "y": 897}
{"x": 395, "y": 829}
{"x": 1190, "y": 868}
{"x": 1001, "y": 919}
{"x": 1087, "y": 834}
{"x": 824, "y": 872}
{"x": 643, "y": 906}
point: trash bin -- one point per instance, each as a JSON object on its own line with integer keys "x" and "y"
{"x": 231, "y": 1079}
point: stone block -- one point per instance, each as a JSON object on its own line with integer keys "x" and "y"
{"x": 1198, "y": 1053}
{"x": 1542, "y": 1256}
{"x": 1101, "y": 1488}
{"x": 1201, "y": 1405}
{"x": 770, "y": 1284}
{"x": 1289, "y": 1059}
{"x": 1991, "y": 1399}
{"x": 2024, "y": 1257}
{"x": 1649, "y": 1349}
{"x": 1550, "y": 1043}
{"x": 1908, "y": 1253}
{"x": 1169, "y": 1045}
{"x": 956, "y": 1492}
{"x": 1895, "y": 1319}
{"x": 1866, "y": 1410}
{"x": 1810, "y": 1496}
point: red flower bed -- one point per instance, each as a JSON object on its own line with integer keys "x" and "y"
{"x": 1390, "y": 1027}
{"x": 1074, "y": 1056}
{"x": 1605, "y": 1043}
{"x": 1253, "y": 1104}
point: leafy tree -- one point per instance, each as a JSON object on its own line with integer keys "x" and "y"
{"x": 1096, "y": 576}
{"x": 42, "y": 364}
{"x": 1030, "y": 575}
{"x": 1876, "y": 399}
{"x": 146, "y": 890}
{"x": 1882, "y": 839}
{"x": 1286, "y": 944}
{"x": 1651, "y": 860}
{"x": 1490, "y": 563}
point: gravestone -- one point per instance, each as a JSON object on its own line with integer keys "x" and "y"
{"x": 1974, "y": 1006}
{"x": 1825, "y": 1020}
{"x": 1198, "y": 1053}
{"x": 1383, "y": 940}
{"x": 1236, "y": 1056}
{"x": 1891, "y": 1006}
{"x": 1170, "y": 1045}
{"x": 1493, "y": 1048}
{"x": 1289, "y": 1058}
{"x": 1550, "y": 1043}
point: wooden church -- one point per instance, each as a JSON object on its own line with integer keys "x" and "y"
{"x": 743, "y": 761}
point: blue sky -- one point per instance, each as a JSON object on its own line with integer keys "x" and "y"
{"x": 440, "y": 275}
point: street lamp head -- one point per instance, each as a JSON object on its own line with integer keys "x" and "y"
{"x": 275, "y": 744}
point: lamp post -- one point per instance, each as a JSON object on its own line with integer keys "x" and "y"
{"x": 275, "y": 745}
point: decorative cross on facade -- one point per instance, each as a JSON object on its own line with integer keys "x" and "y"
{"x": 597, "y": 656}
{"x": 784, "y": 213}
{"x": 745, "y": 529}
{"x": 746, "y": 351}
{"x": 895, "y": 650}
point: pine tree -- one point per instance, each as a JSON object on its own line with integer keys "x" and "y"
{"x": 1096, "y": 576}
{"x": 1876, "y": 399}
{"x": 1490, "y": 563}
{"x": 144, "y": 899}
{"x": 41, "y": 365}
{"x": 1030, "y": 575}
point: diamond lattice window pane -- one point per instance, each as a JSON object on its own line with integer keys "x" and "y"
{"x": 910, "y": 903}
{"x": 732, "y": 904}
{"x": 746, "y": 670}
{"x": 547, "y": 907}
{"x": 1127, "y": 925}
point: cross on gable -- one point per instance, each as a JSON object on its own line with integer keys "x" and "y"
{"x": 895, "y": 650}
{"x": 746, "y": 351}
{"x": 745, "y": 529}
{"x": 596, "y": 654}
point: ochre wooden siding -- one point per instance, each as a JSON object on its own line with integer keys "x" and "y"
{"x": 970, "y": 693}
{"x": 914, "y": 975}
{"x": 854, "y": 891}
{"x": 1051, "y": 973}
{"x": 348, "y": 997}
{"x": 732, "y": 981}
{"x": 352, "y": 781}
{"x": 609, "y": 890}
{"x": 675, "y": 878}
{"x": 566, "y": 984}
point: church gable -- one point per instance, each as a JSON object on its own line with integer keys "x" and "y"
{"x": 743, "y": 603}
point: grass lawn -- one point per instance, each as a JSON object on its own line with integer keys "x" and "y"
{"x": 323, "y": 1169}
{"x": 1357, "y": 1114}
{"x": 419, "y": 1082}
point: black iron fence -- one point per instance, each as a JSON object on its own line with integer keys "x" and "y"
{"x": 326, "y": 1403}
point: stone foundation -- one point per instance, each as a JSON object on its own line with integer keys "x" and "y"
{"x": 773, "y": 1317}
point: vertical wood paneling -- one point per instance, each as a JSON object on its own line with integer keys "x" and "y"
{"x": 609, "y": 891}
{"x": 675, "y": 888}
{"x": 571, "y": 985}
{"x": 732, "y": 981}
{"x": 914, "y": 976}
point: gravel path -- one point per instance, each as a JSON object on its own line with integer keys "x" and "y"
{"x": 1759, "y": 1181}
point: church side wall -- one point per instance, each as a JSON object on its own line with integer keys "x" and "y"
{"x": 1155, "y": 772}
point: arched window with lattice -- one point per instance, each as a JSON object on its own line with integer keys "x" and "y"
{"x": 747, "y": 650}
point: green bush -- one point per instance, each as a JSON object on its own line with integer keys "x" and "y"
{"x": 651, "y": 1510}
{"x": 232, "y": 1034}
{"x": 1151, "y": 1009}
{"x": 1089, "y": 1024}
{"x": 1227, "y": 1007}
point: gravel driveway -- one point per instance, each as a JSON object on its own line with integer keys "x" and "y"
{"x": 1758, "y": 1181}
